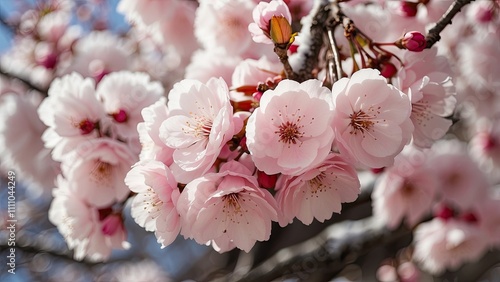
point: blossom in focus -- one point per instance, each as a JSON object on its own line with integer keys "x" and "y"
{"x": 318, "y": 192}
{"x": 154, "y": 206}
{"x": 426, "y": 78}
{"x": 227, "y": 208}
{"x": 89, "y": 231}
{"x": 291, "y": 130}
{"x": 199, "y": 124}
{"x": 262, "y": 16}
{"x": 153, "y": 148}
{"x": 413, "y": 41}
{"x": 371, "y": 119}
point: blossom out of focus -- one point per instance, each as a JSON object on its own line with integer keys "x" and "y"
{"x": 245, "y": 127}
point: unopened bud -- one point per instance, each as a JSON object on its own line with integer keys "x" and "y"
{"x": 413, "y": 41}
{"x": 408, "y": 9}
{"x": 388, "y": 70}
{"x": 280, "y": 31}
{"x": 445, "y": 213}
{"x": 265, "y": 180}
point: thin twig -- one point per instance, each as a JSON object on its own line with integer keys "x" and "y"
{"x": 25, "y": 81}
{"x": 336, "y": 55}
{"x": 433, "y": 34}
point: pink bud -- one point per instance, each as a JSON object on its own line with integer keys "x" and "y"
{"x": 414, "y": 41}
{"x": 120, "y": 116}
{"x": 265, "y": 180}
{"x": 388, "y": 70}
{"x": 377, "y": 170}
{"x": 111, "y": 224}
{"x": 408, "y": 9}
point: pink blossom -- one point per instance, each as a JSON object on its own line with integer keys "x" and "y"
{"x": 251, "y": 72}
{"x": 371, "y": 119}
{"x": 96, "y": 170}
{"x": 223, "y": 25}
{"x": 21, "y": 147}
{"x": 99, "y": 53}
{"x": 485, "y": 146}
{"x": 318, "y": 192}
{"x": 426, "y": 78}
{"x": 89, "y": 231}
{"x": 262, "y": 15}
{"x": 441, "y": 245}
{"x": 206, "y": 64}
{"x": 153, "y": 148}
{"x": 461, "y": 181}
{"x": 290, "y": 132}
{"x": 405, "y": 190}
{"x": 154, "y": 206}
{"x": 227, "y": 208}
{"x": 124, "y": 94}
{"x": 199, "y": 125}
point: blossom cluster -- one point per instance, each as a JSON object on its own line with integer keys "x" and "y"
{"x": 201, "y": 123}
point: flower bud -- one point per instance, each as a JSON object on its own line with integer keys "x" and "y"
{"x": 413, "y": 41}
{"x": 280, "y": 31}
{"x": 408, "y": 9}
{"x": 265, "y": 180}
{"x": 388, "y": 70}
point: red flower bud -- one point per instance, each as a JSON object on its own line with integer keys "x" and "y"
{"x": 413, "y": 41}
{"x": 120, "y": 116}
{"x": 408, "y": 9}
{"x": 388, "y": 70}
{"x": 265, "y": 180}
{"x": 445, "y": 213}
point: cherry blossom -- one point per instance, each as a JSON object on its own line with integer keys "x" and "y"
{"x": 262, "y": 15}
{"x": 153, "y": 148}
{"x": 290, "y": 132}
{"x": 426, "y": 79}
{"x": 441, "y": 245}
{"x": 199, "y": 125}
{"x": 154, "y": 206}
{"x": 124, "y": 94}
{"x": 405, "y": 190}
{"x": 96, "y": 170}
{"x": 227, "y": 208}
{"x": 371, "y": 126}
{"x": 318, "y": 192}
{"x": 91, "y": 232}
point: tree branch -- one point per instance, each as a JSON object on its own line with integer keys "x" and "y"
{"x": 25, "y": 81}
{"x": 433, "y": 34}
{"x": 312, "y": 32}
{"x": 332, "y": 249}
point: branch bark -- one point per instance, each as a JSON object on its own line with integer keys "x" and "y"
{"x": 332, "y": 249}
{"x": 25, "y": 81}
{"x": 433, "y": 35}
{"x": 312, "y": 32}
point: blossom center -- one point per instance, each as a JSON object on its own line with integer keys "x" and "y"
{"x": 101, "y": 172}
{"x": 231, "y": 201}
{"x": 120, "y": 116}
{"x": 201, "y": 126}
{"x": 86, "y": 126}
{"x": 289, "y": 132}
{"x": 360, "y": 122}
{"x": 316, "y": 184}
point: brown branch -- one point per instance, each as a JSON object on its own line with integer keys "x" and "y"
{"x": 25, "y": 81}
{"x": 312, "y": 33}
{"x": 433, "y": 34}
{"x": 331, "y": 250}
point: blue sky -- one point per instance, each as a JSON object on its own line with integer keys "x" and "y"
{"x": 117, "y": 21}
